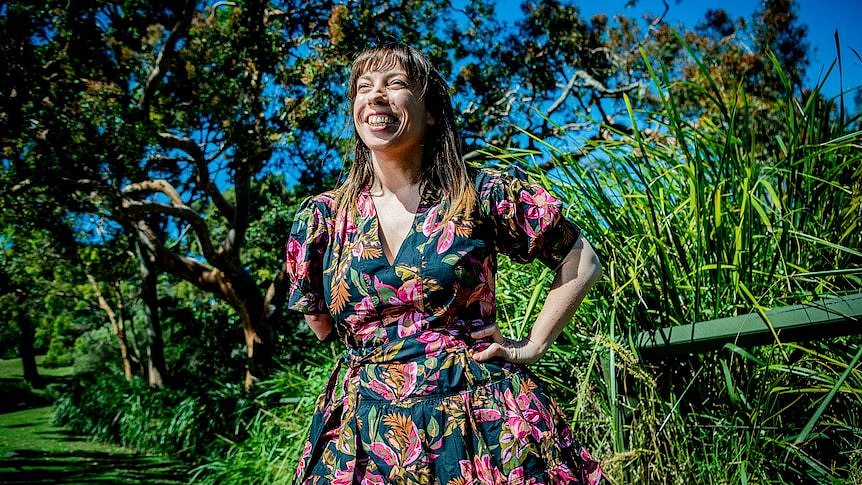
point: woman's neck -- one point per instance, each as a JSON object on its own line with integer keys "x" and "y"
{"x": 394, "y": 176}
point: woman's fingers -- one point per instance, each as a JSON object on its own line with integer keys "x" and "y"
{"x": 493, "y": 350}
{"x": 519, "y": 352}
{"x": 489, "y": 331}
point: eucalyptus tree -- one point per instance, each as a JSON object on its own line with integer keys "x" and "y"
{"x": 160, "y": 118}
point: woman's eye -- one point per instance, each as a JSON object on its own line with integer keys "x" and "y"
{"x": 398, "y": 83}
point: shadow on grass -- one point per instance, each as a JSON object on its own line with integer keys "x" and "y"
{"x": 18, "y": 395}
{"x": 28, "y": 466}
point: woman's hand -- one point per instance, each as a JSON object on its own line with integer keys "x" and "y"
{"x": 574, "y": 277}
{"x": 320, "y": 323}
{"x": 516, "y": 351}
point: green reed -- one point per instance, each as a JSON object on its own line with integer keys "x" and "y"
{"x": 741, "y": 205}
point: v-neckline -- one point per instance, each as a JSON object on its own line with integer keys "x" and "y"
{"x": 381, "y": 237}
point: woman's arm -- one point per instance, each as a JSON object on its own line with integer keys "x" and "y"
{"x": 320, "y": 323}
{"x": 575, "y": 275}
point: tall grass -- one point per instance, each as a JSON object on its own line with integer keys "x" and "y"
{"x": 699, "y": 216}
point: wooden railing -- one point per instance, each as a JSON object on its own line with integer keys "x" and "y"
{"x": 830, "y": 317}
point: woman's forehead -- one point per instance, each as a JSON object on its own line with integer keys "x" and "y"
{"x": 394, "y": 71}
{"x": 380, "y": 64}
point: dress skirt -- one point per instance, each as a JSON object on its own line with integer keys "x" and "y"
{"x": 393, "y": 414}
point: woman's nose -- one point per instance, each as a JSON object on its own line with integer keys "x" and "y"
{"x": 377, "y": 95}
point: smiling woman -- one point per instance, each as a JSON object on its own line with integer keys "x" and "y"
{"x": 400, "y": 262}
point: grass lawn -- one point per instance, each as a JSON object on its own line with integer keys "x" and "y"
{"x": 32, "y": 450}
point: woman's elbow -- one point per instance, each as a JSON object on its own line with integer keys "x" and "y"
{"x": 596, "y": 272}
{"x": 590, "y": 264}
{"x": 320, "y": 324}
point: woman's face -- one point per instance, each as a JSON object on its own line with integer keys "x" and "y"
{"x": 389, "y": 117}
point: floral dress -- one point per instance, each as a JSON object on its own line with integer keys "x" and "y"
{"x": 407, "y": 403}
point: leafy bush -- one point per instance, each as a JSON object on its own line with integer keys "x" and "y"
{"x": 277, "y": 432}
{"x": 178, "y": 422}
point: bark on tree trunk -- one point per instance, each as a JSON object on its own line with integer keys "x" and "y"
{"x": 259, "y": 339}
{"x": 118, "y": 326}
{"x": 156, "y": 368}
{"x": 25, "y": 350}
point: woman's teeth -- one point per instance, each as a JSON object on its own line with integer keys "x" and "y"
{"x": 380, "y": 120}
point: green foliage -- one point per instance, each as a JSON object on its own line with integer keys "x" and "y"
{"x": 180, "y": 423}
{"x": 278, "y": 430}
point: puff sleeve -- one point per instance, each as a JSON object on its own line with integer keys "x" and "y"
{"x": 527, "y": 221}
{"x": 304, "y": 258}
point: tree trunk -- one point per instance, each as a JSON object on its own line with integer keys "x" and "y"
{"x": 25, "y": 350}
{"x": 259, "y": 339}
{"x": 156, "y": 368}
{"x": 117, "y": 324}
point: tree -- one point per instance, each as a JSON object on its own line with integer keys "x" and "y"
{"x": 152, "y": 114}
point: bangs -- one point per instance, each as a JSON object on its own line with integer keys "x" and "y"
{"x": 379, "y": 60}
{"x": 386, "y": 58}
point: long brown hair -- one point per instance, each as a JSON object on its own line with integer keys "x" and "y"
{"x": 443, "y": 167}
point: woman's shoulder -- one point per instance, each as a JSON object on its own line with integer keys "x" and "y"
{"x": 323, "y": 202}
{"x": 487, "y": 179}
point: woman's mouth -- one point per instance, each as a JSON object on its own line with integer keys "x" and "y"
{"x": 380, "y": 121}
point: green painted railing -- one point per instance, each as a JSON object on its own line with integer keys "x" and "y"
{"x": 830, "y": 317}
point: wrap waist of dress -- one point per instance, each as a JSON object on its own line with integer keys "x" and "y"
{"x": 429, "y": 364}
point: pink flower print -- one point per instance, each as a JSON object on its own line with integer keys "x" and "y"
{"x": 359, "y": 315}
{"x": 538, "y": 203}
{"x": 397, "y": 386}
{"x": 382, "y": 389}
{"x": 484, "y": 415}
{"x": 562, "y": 474}
{"x": 591, "y": 469}
{"x": 306, "y": 452}
{"x": 518, "y": 416}
{"x": 365, "y": 206}
{"x": 541, "y": 208}
{"x": 447, "y": 237}
{"x": 435, "y": 342}
{"x": 466, "y": 470}
{"x": 372, "y": 479}
{"x": 296, "y": 265}
{"x": 519, "y": 428}
{"x": 484, "y": 291}
{"x": 409, "y": 321}
{"x": 430, "y": 224}
{"x": 504, "y": 208}
{"x": 400, "y": 454}
{"x": 382, "y": 450}
{"x": 345, "y": 476}
{"x": 484, "y": 470}
{"x": 516, "y": 475}
{"x": 564, "y": 435}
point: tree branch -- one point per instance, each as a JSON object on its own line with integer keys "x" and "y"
{"x": 178, "y": 210}
{"x": 202, "y": 174}
{"x": 160, "y": 69}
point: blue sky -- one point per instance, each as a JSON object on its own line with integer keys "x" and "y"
{"x": 823, "y": 18}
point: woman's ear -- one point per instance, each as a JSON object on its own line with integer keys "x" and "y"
{"x": 429, "y": 120}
